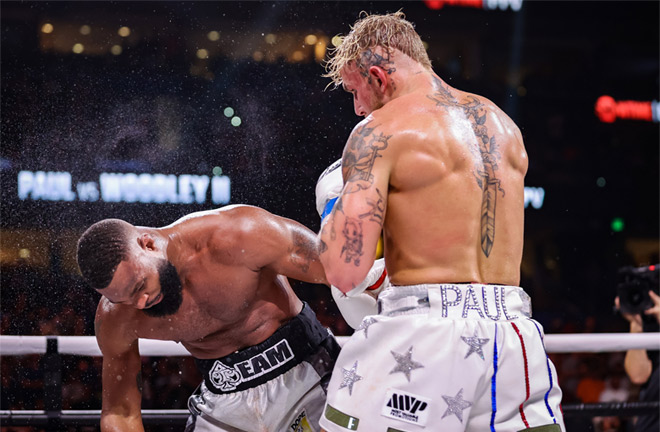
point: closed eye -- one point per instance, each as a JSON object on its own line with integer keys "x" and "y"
{"x": 139, "y": 287}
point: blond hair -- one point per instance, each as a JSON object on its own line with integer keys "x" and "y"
{"x": 390, "y": 31}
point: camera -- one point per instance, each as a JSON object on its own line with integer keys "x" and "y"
{"x": 633, "y": 286}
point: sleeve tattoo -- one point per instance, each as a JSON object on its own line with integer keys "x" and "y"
{"x": 362, "y": 150}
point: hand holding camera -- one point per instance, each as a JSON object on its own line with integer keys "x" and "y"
{"x": 637, "y": 294}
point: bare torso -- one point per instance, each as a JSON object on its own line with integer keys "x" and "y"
{"x": 455, "y": 200}
{"x": 217, "y": 317}
{"x": 231, "y": 299}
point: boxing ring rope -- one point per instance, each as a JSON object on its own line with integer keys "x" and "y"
{"x": 53, "y": 417}
{"x": 554, "y": 343}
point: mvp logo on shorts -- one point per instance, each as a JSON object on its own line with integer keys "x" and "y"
{"x": 406, "y": 407}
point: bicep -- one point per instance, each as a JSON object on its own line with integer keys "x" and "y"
{"x": 288, "y": 248}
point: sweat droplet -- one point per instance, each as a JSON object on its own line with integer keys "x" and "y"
{"x": 118, "y": 377}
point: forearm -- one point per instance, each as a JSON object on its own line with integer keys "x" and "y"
{"x": 347, "y": 252}
{"x": 637, "y": 363}
{"x": 341, "y": 268}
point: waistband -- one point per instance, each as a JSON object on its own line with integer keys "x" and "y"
{"x": 250, "y": 367}
{"x": 456, "y": 301}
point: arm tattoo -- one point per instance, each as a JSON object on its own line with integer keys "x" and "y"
{"x": 353, "y": 247}
{"x": 304, "y": 251}
{"x": 488, "y": 154}
{"x": 360, "y": 155}
{"x": 377, "y": 209}
{"x": 322, "y": 247}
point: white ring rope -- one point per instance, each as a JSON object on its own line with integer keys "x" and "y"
{"x": 555, "y": 343}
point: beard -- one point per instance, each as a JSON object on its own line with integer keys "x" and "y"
{"x": 171, "y": 290}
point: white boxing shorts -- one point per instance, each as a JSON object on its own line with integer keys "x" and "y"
{"x": 277, "y": 385}
{"x": 446, "y": 357}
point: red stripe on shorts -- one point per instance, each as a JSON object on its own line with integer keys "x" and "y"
{"x": 522, "y": 344}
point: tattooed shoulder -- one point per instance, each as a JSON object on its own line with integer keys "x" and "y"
{"x": 364, "y": 147}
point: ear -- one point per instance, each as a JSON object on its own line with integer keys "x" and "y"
{"x": 146, "y": 241}
{"x": 379, "y": 77}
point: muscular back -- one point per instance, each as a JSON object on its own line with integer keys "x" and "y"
{"x": 455, "y": 165}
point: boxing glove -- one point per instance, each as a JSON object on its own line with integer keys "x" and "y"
{"x": 328, "y": 189}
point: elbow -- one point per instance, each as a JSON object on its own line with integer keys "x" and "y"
{"x": 340, "y": 274}
{"x": 344, "y": 280}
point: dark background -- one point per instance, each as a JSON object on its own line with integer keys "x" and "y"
{"x": 158, "y": 108}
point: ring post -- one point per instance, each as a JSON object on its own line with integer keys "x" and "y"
{"x": 52, "y": 368}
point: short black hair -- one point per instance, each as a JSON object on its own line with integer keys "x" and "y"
{"x": 100, "y": 250}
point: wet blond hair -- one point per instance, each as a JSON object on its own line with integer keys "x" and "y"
{"x": 390, "y": 31}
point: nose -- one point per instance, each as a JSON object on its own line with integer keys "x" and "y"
{"x": 358, "y": 109}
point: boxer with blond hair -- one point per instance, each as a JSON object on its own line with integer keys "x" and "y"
{"x": 440, "y": 172}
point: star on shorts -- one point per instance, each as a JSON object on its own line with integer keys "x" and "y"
{"x": 366, "y": 324}
{"x": 405, "y": 363}
{"x": 350, "y": 377}
{"x": 456, "y": 405}
{"x": 475, "y": 343}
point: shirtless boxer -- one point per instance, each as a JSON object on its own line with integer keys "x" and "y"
{"x": 215, "y": 282}
{"x": 440, "y": 172}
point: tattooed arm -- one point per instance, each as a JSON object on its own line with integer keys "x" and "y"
{"x": 349, "y": 236}
{"x": 121, "y": 376}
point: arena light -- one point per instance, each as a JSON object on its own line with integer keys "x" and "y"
{"x": 78, "y": 48}
{"x": 47, "y": 28}
{"x": 297, "y": 56}
{"x": 236, "y": 121}
{"x": 514, "y": 5}
{"x": 124, "y": 31}
{"x": 202, "y": 54}
{"x": 229, "y": 112}
{"x": 270, "y": 38}
{"x": 608, "y": 110}
{"x": 617, "y": 224}
{"x": 116, "y": 49}
{"x": 311, "y": 39}
{"x": 336, "y": 40}
{"x": 85, "y": 30}
{"x": 213, "y": 36}
{"x": 320, "y": 49}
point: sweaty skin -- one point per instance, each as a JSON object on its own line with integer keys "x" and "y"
{"x": 232, "y": 264}
{"x": 438, "y": 170}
